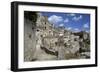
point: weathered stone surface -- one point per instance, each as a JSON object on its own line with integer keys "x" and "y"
{"x": 29, "y": 40}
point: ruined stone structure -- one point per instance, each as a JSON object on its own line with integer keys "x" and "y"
{"x": 43, "y": 41}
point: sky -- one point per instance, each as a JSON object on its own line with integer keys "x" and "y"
{"x": 71, "y": 21}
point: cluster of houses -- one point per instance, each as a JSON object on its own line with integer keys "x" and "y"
{"x": 44, "y": 41}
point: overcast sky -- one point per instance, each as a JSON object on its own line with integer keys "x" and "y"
{"x": 71, "y": 21}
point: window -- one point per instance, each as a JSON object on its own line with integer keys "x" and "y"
{"x": 30, "y": 35}
{"x": 45, "y": 27}
{"x": 75, "y": 39}
{"x": 41, "y": 35}
{"x": 56, "y": 43}
{"x": 37, "y": 29}
{"x": 32, "y": 28}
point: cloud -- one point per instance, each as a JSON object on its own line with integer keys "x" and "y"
{"x": 76, "y": 30}
{"x": 66, "y": 20}
{"x": 71, "y": 14}
{"x": 54, "y": 19}
{"x": 87, "y": 31}
{"x": 69, "y": 28}
{"x": 77, "y": 18}
{"x": 61, "y": 25}
{"x": 86, "y": 25}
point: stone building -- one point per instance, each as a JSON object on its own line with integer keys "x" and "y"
{"x": 43, "y": 41}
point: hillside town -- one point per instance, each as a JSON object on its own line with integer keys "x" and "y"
{"x": 43, "y": 41}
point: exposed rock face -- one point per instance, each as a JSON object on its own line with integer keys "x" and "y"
{"x": 43, "y": 41}
{"x": 29, "y": 36}
{"x": 29, "y": 40}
